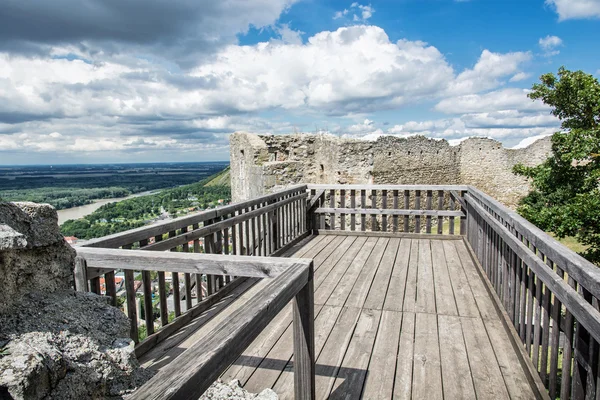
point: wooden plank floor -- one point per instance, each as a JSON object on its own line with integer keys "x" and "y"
{"x": 394, "y": 318}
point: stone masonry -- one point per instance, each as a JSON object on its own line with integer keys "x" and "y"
{"x": 264, "y": 163}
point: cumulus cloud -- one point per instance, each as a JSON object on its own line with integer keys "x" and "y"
{"x": 112, "y": 100}
{"x": 549, "y": 45}
{"x": 504, "y": 99}
{"x": 575, "y": 9}
{"x": 488, "y": 71}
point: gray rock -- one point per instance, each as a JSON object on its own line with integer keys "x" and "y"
{"x": 67, "y": 345}
{"x": 37, "y": 222}
{"x": 11, "y": 239}
{"x": 220, "y": 390}
{"x": 34, "y": 256}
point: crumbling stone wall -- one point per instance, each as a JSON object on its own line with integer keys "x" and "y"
{"x": 263, "y": 163}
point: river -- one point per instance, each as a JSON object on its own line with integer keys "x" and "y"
{"x": 82, "y": 211}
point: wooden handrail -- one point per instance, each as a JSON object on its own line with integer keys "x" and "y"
{"x": 135, "y": 235}
{"x": 213, "y": 264}
{"x": 549, "y": 293}
{"x": 386, "y": 187}
{"x": 572, "y": 263}
{"x": 200, "y": 365}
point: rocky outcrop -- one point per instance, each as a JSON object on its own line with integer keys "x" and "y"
{"x": 66, "y": 345}
{"x": 33, "y": 254}
{"x": 55, "y": 343}
{"x": 233, "y": 391}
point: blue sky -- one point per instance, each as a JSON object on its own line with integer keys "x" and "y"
{"x": 132, "y": 81}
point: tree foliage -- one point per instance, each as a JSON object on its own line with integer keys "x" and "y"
{"x": 565, "y": 196}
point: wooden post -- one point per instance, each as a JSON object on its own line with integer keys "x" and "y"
{"x": 463, "y": 220}
{"x": 131, "y": 310}
{"x": 81, "y": 284}
{"x": 304, "y": 342}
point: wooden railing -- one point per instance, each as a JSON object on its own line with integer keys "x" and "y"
{"x": 387, "y": 208}
{"x": 201, "y": 364}
{"x": 549, "y": 293}
{"x": 261, "y": 226}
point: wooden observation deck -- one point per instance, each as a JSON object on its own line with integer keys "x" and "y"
{"x": 348, "y": 292}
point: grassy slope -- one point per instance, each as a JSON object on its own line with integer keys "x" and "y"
{"x": 223, "y": 178}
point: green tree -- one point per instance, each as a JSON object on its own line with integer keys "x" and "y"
{"x": 565, "y": 196}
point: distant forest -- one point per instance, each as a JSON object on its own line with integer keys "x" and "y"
{"x": 71, "y": 186}
{"x": 135, "y": 212}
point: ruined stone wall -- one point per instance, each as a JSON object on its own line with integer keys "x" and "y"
{"x": 262, "y": 164}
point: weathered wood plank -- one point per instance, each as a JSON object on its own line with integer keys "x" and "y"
{"x": 394, "y": 298}
{"x": 333, "y": 351}
{"x": 328, "y": 285}
{"x": 379, "y": 287}
{"x": 404, "y": 366}
{"x": 379, "y": 383}
{"x": 388, "y": 234}
{"x": 339, "y": 249}
{"x": 387, "y": 187}
{"x": 456, "y": 371}
{"x": 465, "y": 302}
{"x": 341, "y": 291}
{"x": 427, "y": 374}
{"x": 514, "y": 377}
{"x": 216, "y": 264}
{"x": 359, "y": 292}
{"x": 425, "y": 285}
{"x": 353, "y": 371}
{"x": 81, "y": 276}
{"x": 487, "y": 377}
{"x": 410, "y": 288}
{"x": 377, "y": 211}
{"x": 444, "y": 295}
{"x": 482, "y": 298}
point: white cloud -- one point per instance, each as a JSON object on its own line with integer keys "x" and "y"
{"x": 361, "y": 13}
{"x": 520, "y": 76}
{"x": 340, "y": 14}
{"x": 487, "y": 72}
{"x": 504, "y": 99}
{"x": 549, "y": 45}
{"x": 575, "y": 9}
{"x": 146, "y": 105}
{"x": 288, "y": 35}
{"x": 528, "y": 141}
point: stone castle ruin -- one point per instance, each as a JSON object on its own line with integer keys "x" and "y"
{"x": 263, "y": 163}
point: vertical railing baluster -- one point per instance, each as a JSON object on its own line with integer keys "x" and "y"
{"x": 428, "y": 205}
{"x": 417, "y": 207}
{"x": 395, "y": 217}
{"x": 373, "y": 206}
{"x": 406, "y": 207}
{"x": 440, "y": 206}
{"x": 384, "y": 207}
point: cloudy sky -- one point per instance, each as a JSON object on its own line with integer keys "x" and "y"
{"x": 169, "y": 80}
